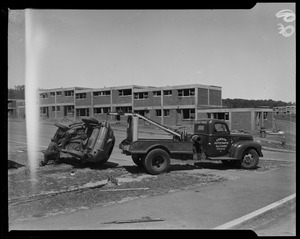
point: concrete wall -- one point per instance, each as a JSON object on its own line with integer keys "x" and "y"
{"x": 202, "y": 115}
{"x": 215, "y": 97}
{"x": 241, "y": 120}
{"x": 202, "y": 96}
{"x": 102, "y": 99}
{"x": 116, "y": 99}
{"x": 49, "y": 100}
{"x": 63, "y": 99}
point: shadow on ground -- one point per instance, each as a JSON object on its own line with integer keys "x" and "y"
{"x": 78, "y": 165}
{"x": 11, "y": 164}
{"x": 183, "y": 167}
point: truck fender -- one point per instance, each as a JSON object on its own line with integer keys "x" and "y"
{"x": 237, "y": 149}
{"x": 158, "y": 146}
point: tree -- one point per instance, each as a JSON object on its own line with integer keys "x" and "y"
{"x": 17, "y": 93}
{"x": 243, "y": 103}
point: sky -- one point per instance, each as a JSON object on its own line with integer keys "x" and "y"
{"x": 243, "y": 51}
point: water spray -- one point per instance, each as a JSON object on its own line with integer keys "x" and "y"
{"x": 33, "y": 45}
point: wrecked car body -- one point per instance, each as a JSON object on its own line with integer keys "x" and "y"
{"x": 87, "y": 141}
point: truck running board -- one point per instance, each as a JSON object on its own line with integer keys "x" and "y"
{"x": 221, "y": 158}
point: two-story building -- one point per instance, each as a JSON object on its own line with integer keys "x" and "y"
{"x": 170, "y": 105}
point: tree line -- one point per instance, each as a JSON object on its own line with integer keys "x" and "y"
{"x": 18, "y": 92}
{"x": 243, "y": 103}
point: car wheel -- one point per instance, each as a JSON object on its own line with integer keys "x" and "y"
{"x": 137, "y": 160}
{"x": 156, "y": 161}
{"x": 90, "y": 120}
{"x": 250, "y": 159}
{"x": 108, "y": 154}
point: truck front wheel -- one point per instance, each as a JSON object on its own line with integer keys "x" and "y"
{"x": 157, "y": 161}
{"x": 250, "y": 159}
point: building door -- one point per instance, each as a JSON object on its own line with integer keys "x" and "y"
{"x": 65, "y": 110}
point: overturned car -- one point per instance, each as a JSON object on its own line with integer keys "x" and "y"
{"x": 87, "y": 141}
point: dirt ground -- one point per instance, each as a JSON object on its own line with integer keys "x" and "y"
{"x": 69, "y": 186}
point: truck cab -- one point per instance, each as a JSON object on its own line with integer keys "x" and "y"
{"x": 216, "y": 138}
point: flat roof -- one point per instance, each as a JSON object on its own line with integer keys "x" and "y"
{"x": 134, "y": 87}
{"x": 64, "y": 89}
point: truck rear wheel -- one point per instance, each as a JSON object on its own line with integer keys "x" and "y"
{"x": 157, "y": 161}
{"x": 250, "y": 159}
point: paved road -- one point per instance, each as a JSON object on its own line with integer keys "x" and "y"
{"x": 205, "y": 207}
{"x": 280, "y": 221}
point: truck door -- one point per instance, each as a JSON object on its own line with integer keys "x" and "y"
{"x": 220, "y": 140}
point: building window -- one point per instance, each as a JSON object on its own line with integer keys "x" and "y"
{"x": 125, "y": 92}
{"x": 158, "y": 112}
{"x": 221, "y": 116}
{"x": 188, "y": 113}
{"x": 167, "y": 92}
{"x": 52, "y": 93}
{"x": 156, "y": 93}
{"x": 101, "y": 93}
{"x": 166, "y": 112}
{"x": 69, "y": 93}
{"x": 141, "y": 96}
{"x": 57, "y": 108}
{"x": 82, "y": 112}
{"x": 101, "y": 110}
{"x": 81, "y": 96}
{"x": 124, "y": 109}
{"x": 53, "y": 108}
{"x": 43, "y": 110}
{"x": 58, "y": 93}
{"x": 186, "y": 92}
{"x": 70, "y": 109}
{"x": 44, "y": 95}
{"x": 142, "y": 112}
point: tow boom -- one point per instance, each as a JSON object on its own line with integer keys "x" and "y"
{"x": 163, "y": 127}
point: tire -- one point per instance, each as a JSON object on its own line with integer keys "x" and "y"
{"x": 137, "y": 160}
{"x": 156, "y": 161}
{"x": 90, "y": 120}
{"x": 250, "y": 159}
{"x": 61, "y": 126}
{"x": 108, "y": 154}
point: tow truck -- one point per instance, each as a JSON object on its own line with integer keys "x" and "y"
{"x": 211, "y": 140}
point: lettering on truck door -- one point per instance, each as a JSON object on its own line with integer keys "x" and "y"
{"x": 221, "y": 140}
